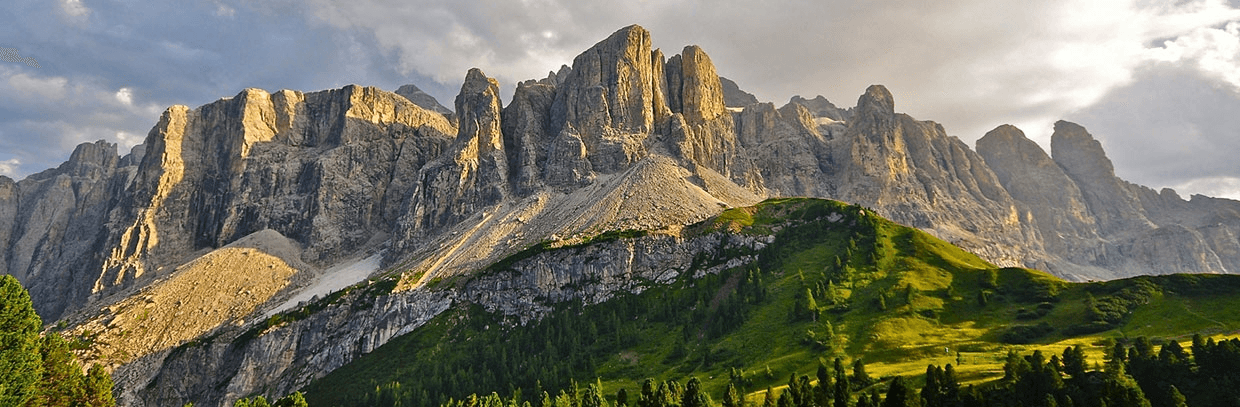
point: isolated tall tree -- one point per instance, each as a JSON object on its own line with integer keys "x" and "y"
{"x": 20, "y": 365}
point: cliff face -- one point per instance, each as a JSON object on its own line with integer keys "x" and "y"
{"x": 1096, "y": 225}
{"x": 53, "y": 224}
{"x": 625, "y": 138}
{"x": 279, "y": 360}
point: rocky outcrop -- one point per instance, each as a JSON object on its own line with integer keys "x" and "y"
{"x": 604, "y": 106}
{"x": 527, "y": 133}
{"x": 821, "y": 107}
{"x": 1032, "y": 178}
{"x": 472, "y": 175}
{"x": 424, "y": 100}
{"x": 733, "y": 96}
{"x": 1098, "y": 226}
{"x": 910, "y": 171}
{"x": 53, "y": 224}
{"x": 242, "y": 361}
{"x": 1108, "y": 198}
{"x": 329, "y": 169}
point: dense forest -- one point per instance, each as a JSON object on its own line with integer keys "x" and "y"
{"x": 1134, "y": 375}
{"x": 40, "y": 369}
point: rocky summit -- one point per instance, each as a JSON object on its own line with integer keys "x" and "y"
{"x": 328, "y": 188}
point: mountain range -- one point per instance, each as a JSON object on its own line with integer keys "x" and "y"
{"x": 237, "y": 210}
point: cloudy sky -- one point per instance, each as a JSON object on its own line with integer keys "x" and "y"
{"x": 1158, "y": 82}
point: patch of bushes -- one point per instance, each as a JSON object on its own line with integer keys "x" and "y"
{"x": 1024, "y": 334}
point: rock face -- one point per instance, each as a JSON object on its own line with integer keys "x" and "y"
{"x": 1041, "y": 186}
{"x": 280, "y": 360}
{"x": 821, "y": 107}
{"x": 733, "y": 96}
{"x": 625, "y": 138}
{"x": 52, "y": 224}
{"x": 1096, "y": 225}
{"x": 422, "y": 99}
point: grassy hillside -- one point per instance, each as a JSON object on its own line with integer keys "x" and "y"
{"x": 838, "y": 281}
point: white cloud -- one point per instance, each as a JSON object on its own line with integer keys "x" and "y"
{"x": 1220, "y": 187}
{"x": 62, "y": 112}
{"x": 970, "y": 65}
{"x": 26, "y": 86}
{"x": 125, "y": 96}
{"x": 126, "y": 140}
{"x": 9, "y": 167}
{"x": 74, "y": 10}
{"x": 1214, "y": 51}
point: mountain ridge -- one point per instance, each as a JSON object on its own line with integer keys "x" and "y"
{"x": 625, "y": 138}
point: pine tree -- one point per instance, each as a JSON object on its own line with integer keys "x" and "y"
{"x": 769, "y": 400}
{"x": 899, "y": 394}
{"x": 62, "y": 381}
{"x": 932, "y": 393}
{"x": 20, "y": 365}
{"x": 293, "y": 400}
{"x": 822, "y": 392}
{"x": 1177, "y": 398}
{"x": 695, "y": 395}
{"x": 647, "y": 398}
{"x": 593, "y": 396}
{"x": 842, "y": 389}
{"x": 785, "y": 400}
{"x": 98, "y": 388}
{"x": 859, "y": 377}
{"x": 731, "y": 398}
{"x": 622, "y": 398}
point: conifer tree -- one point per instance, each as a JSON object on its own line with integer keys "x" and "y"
{"x": 731, "y": 398}
{"x": 593, "y": 396}
{"x": 695, "y": 395}
{"x": 62, "y": 380}
{"x": 859, "y": 377}
{"x": 899, "y": 394}
{"x": 785, "y": 400}
{"x": 293, "y": 400}
{"x": 20, "y": 367}
{"x": 1177, "y": 399}
{"x": 769, "y": 400}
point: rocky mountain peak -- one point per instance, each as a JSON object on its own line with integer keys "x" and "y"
{"x": 610, "y": 86}
{"x": 733, "y": 96}
{"x": 479, "y": 107}
{"x": 422, "y": 99}
{"x": 819, "y": 106}
{"x": 1077, "y": 150}
{"x": 701, "y": 93}
{"x": 1032, "y": 178}
{"x": 876, "y": 101}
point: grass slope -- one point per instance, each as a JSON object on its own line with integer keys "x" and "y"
{"x": 838, "y": 281}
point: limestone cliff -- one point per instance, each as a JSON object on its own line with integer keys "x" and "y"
{"x": 1096, "y": 225}
{"x": 625, "y": 138}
